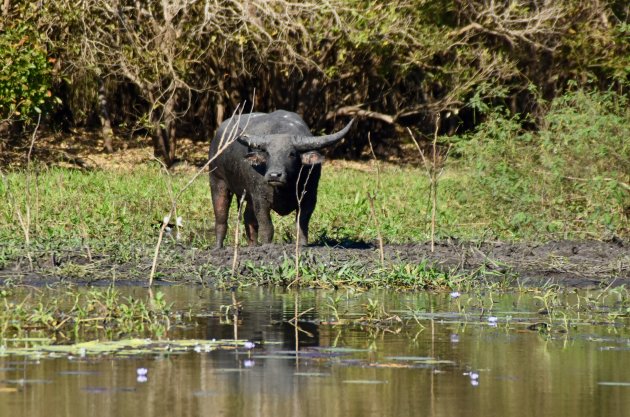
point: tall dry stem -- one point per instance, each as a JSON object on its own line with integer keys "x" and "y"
{"x": 371, "y": 199}
{"x": 434, "y": 182}
{"x": 237, "y": 234}
{"x": 433, "y": 173}
{"x": 296, "y": 315}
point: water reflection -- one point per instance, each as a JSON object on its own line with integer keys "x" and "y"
{"x": 439, "y": 367}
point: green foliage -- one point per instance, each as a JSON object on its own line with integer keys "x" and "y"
{"x": 25, "y": 74}
{"x": 571, "y": 173}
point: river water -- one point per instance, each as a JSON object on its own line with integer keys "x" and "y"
{"x": 358, "y": 354}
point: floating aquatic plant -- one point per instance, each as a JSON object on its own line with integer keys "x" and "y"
{"x": 126, "y": 347}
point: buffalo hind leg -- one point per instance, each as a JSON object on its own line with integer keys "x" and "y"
{"x": 221, "y": 200}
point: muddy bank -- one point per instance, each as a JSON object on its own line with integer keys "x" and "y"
{"x": 566, "y": 263}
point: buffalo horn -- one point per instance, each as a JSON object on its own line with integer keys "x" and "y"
{"x": 307, "y": 143}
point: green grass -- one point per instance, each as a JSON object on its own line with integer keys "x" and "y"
{"x": 113, "y": 209}
{"x": 114, "y": 212}
{"x": 110, "y": 210}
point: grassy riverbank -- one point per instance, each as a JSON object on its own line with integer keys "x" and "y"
{"x": 499, "y": 183}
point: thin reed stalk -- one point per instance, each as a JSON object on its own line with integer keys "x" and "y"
{"x": 371, "y": 199}
{"x": 237, "y": 233}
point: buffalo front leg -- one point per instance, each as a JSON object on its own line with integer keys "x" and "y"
{"x": 221, "y": 200}
{"x": 303, "y": 217}
{"x": 265, "y": 227}
{"x": 251, "y": 224}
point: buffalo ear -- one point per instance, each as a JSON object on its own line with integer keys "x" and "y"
{"x": 256, "y": 158}
{"x": 312, "y": 158}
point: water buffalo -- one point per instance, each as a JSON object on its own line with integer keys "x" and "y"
{"x": 271, "y": 154}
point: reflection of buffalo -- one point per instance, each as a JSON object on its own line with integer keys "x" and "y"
{"x": 257, "y": 330}
{"x": 308, "y": 336}
{"x": 266, "y": 163}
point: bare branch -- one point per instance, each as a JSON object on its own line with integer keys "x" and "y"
{"x": 539, "y": 24}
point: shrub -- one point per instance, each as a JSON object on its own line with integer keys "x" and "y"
{"x": 571, "y": 175}
{"x": 25, "y": 74}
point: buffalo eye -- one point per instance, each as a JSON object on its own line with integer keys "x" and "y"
{"x": 256, "y": 158}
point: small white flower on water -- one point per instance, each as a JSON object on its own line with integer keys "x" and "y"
{"x": 197, "y": 349}
{"x": 454, "y": 338}
{"x": 249, "y": 345}
{"x": 492, "y": 319}
{"x": 474, "y": 382}
{"x": 249, "y": 363}
{"x": 455, "y": 294}
{"x": 142, "y": 379}
{"x": 142, "y": 371}
{"x": 473, "y": 375}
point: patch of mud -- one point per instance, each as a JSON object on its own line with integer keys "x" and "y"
{"x": 565, "y": 263}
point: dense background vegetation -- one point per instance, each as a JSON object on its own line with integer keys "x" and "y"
{"x": 531, "y": 98}
{"x": 177, "y": 68}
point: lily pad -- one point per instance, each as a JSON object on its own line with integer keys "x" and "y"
{"x": 420, "y": 359}
{"x": 614, "y": 384}
{"x": 364, "y": 381}
{"x": 342, "y": 350}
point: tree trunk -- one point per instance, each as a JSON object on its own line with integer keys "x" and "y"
{"x": 172, "y": 138}
{"x": 6, "y": 6}
{"x": 164, "y": 132}
{"x": 220, "y": 110}
{"x": 107, "y": 133}
{"x": 4, "y": 134}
